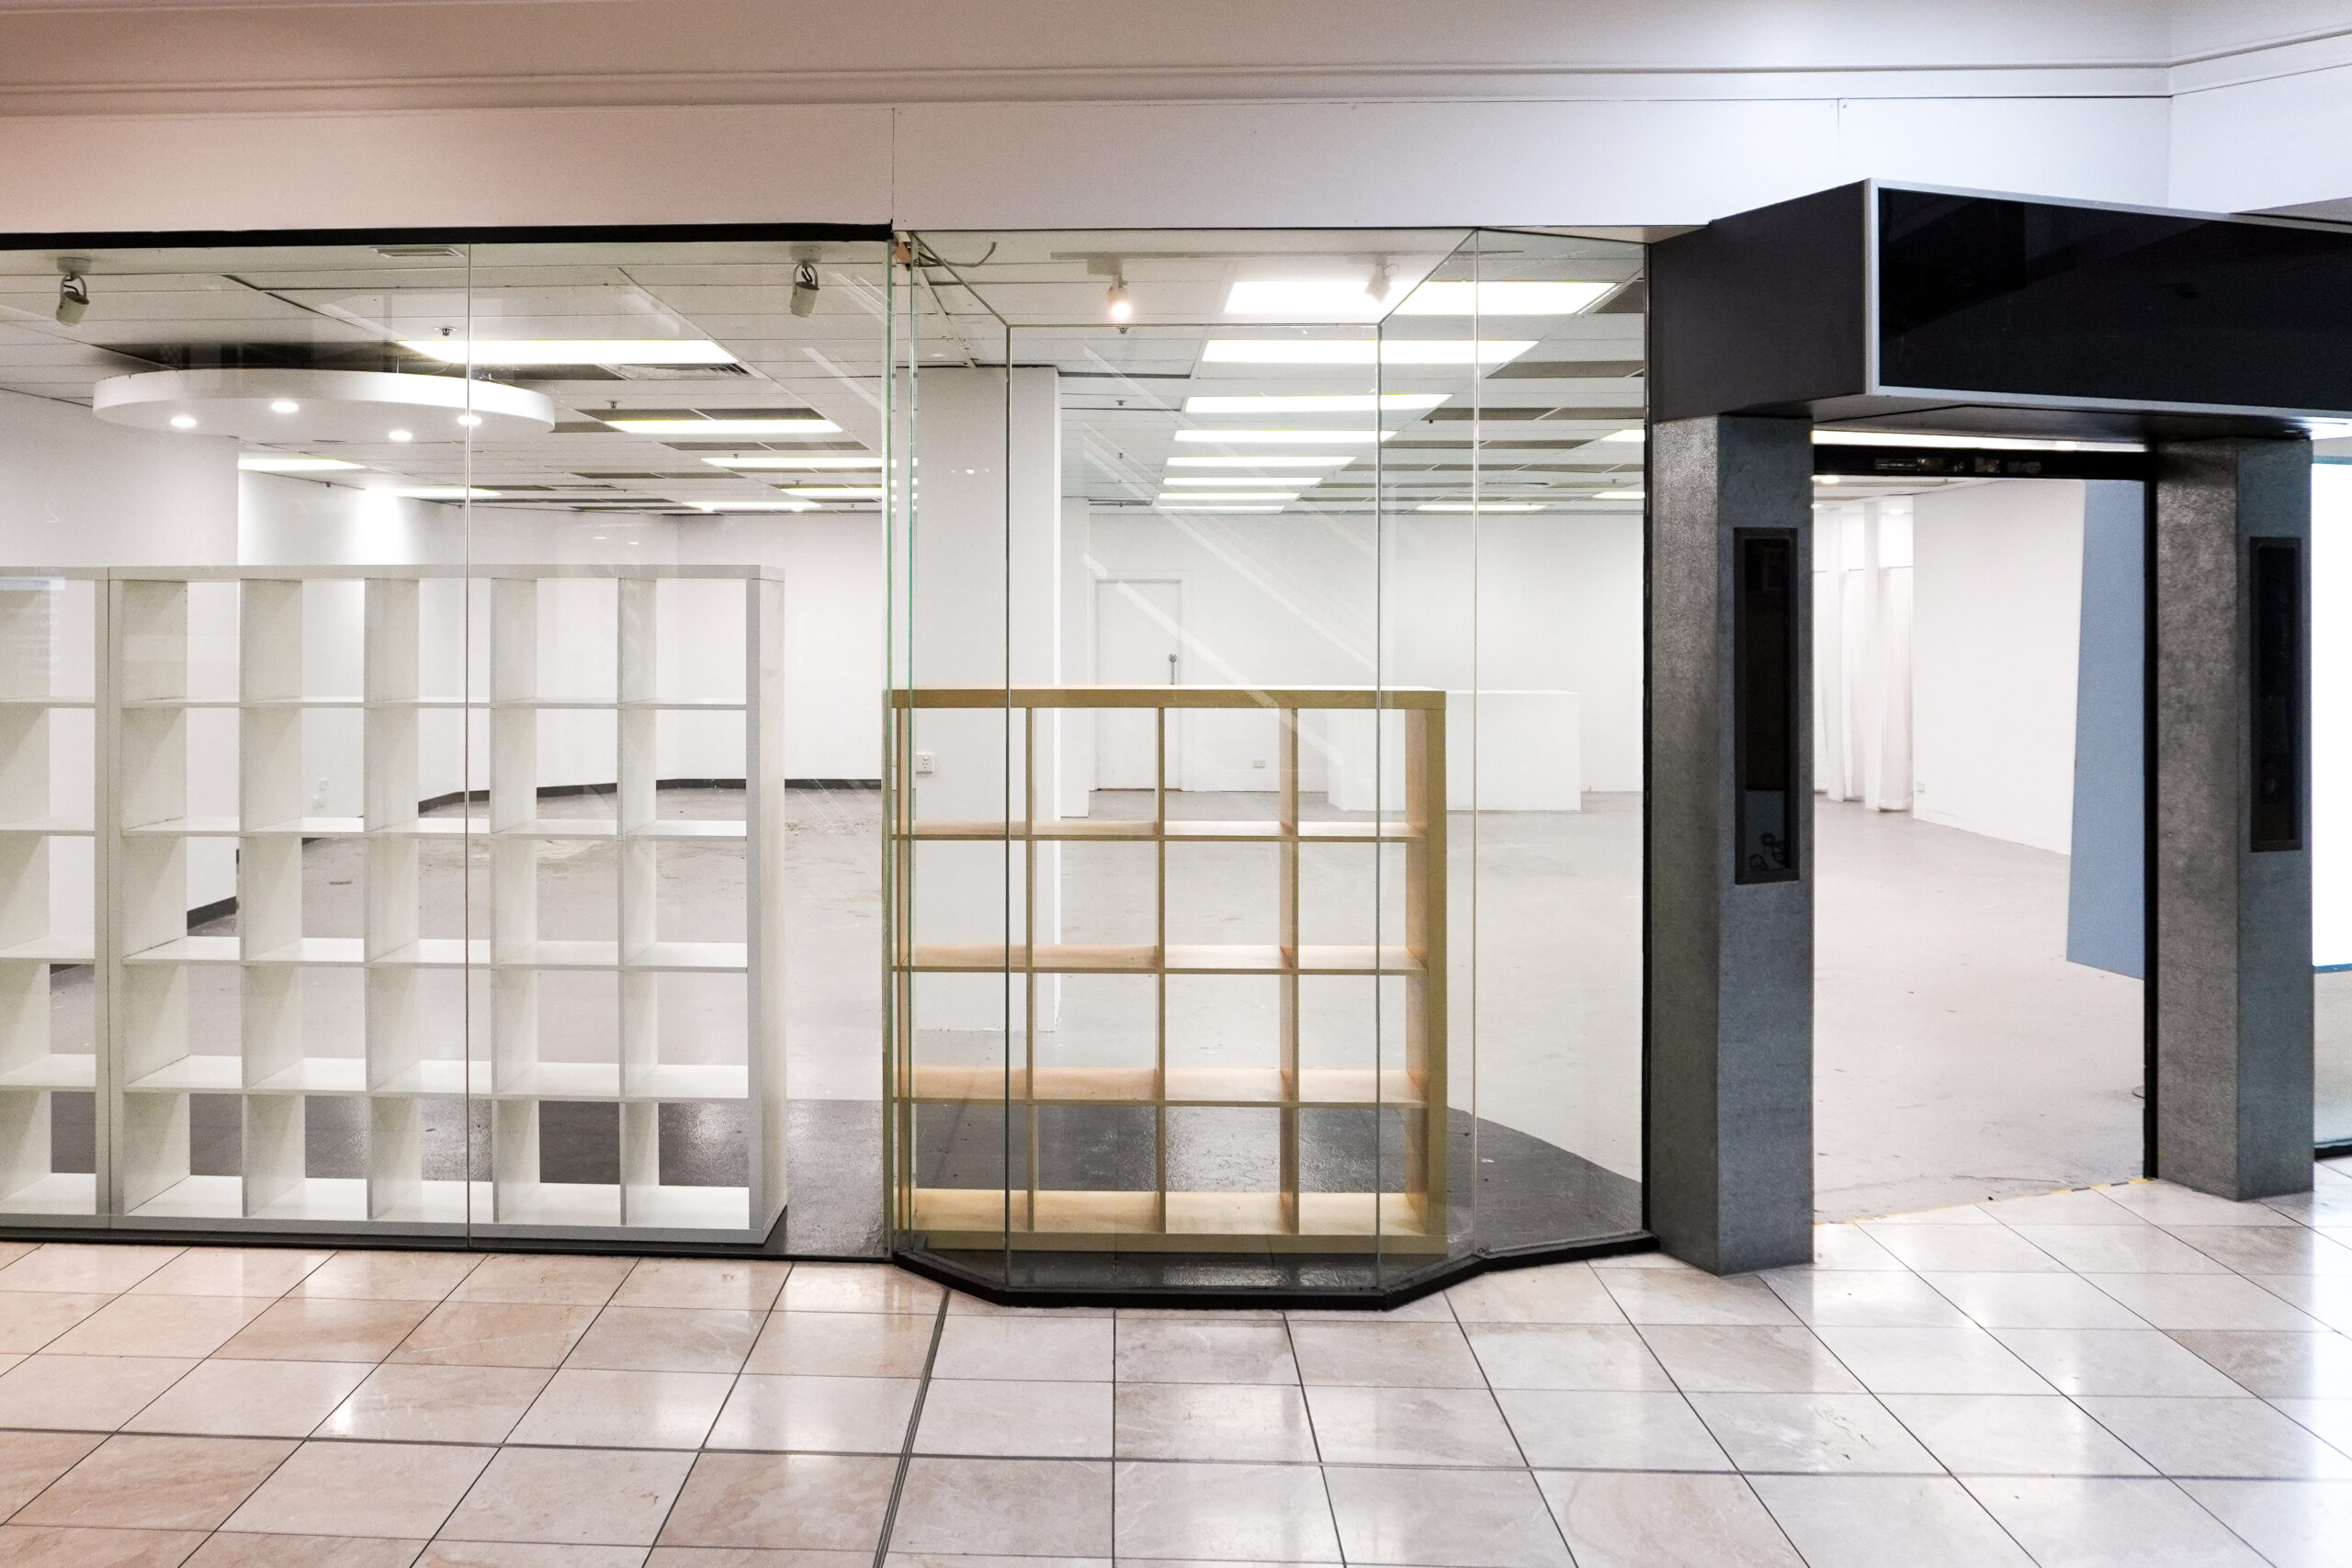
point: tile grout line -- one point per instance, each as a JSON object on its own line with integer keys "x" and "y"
{"x": 914, "y": 1420}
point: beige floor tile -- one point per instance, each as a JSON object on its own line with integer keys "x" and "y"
{"x": 160, "y": 1326}
{"x": 1244, "y": 1423}
{"x": 91, "y": 1394}
{"x": 816, "y": 1414}
{"x": 388, "y": 1276}
{"x": 1637, "y": 1520}
{"x": 2243, "y": 1437}
{"x": 2001, "y": 1434}
{"x": 496, "y": 1333}
{"x": 2034, "y": 1301}
{"x": 1026, "y": 1348}
{"x": 253, "y": 1399}
{"x": 1849, "y": 1246}
{"x": 1386, "y": 1355}
{"x": 1029, "y": 1420}
{"x": 2116, "y": 1361}
{"x": 50, "y": 1546}
{"x": 1930, "y": 1361}
{"x": 1410, "y": 1425}
{"x": 857, "y": 1287}
{"x": 1015, "y": 1508}
{"x": 1819, "y": 1433}
{"x": 550, "y": 1279}
{"x": 1171, "y": 1350}
{"x": 2161, "y": 1203}
{"x": 2275, "y": 1364}
{"x": 716, "y": 1283}
{"x": 595, "y": 1497}
{"x": 1873, "y": 1521}
{"x": 2085, "y": 1522}
{"x": 102, "y": 1270}
{"x": 2294, "y": 1523}
{"x": 581, "y": 1407}
{"x": 2259, "y": 1249}
{"x": 402, "y": 1491}
{"x": 1579, "y": 1429}
{"x": 1653, "y": 1296}
{"x": 2202, "y": 1301}
{"x": 1705, "y": 1358}
{"x": 1431, "y": 1308}
{"x": 1862, "y": 1298}
{"x": 227, "y": 1550}
{"x": 30, "y": 1320}
{"x": 447, "y": 1553}
{"x": 30, "y": 1460}
{"x": 1225, "y": 1513}
{"x": 2119, "y": 1249}
{"x": 842, "y": 1344}
{"x": 2082, "y": 1206}
{"x": 2326, "y": 1299}
{"x": 806, "y": 1502}
{"x": 1558, "y": 1292}
{"x": 1954, "y": 1249}
{"x": 165, "y": 1484}
{"x": 667, "y": 1339}
{"x": 438, "y": 1404}
{"x": 305, "y": 1329}
{"x": 231, "y": 1271}
{"x": 1549, "y": 1355}
{"x": 962, "y": 1305}
{"x": 1466, "y": 1519}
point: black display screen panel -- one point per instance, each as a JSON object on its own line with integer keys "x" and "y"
{"x": 1764, "y": 700}
{"x": 2031, "y": 300}
{"x": 2276, "y": 690}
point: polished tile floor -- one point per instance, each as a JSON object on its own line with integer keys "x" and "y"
{"x": 2127, "y": 1375}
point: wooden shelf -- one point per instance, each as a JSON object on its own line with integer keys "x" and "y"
{"x": 1032, "y": 1215}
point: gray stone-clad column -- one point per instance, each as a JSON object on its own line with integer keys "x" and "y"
{"x": 1729, "y": 1150}
{"x": 2232, "y": 981}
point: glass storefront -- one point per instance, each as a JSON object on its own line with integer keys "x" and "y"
{"x": 1264, "y": 783}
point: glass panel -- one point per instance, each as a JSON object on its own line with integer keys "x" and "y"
{"x": 2332, "y": 792}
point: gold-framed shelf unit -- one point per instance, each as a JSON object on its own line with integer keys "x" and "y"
{"x": 148, "y": 1060}
{"x": 1285, "y": 1218}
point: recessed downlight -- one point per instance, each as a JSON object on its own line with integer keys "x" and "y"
{"x": 183, "y": 422}
{"x": 285, "y": 405}
{"x": 400, "y": 435}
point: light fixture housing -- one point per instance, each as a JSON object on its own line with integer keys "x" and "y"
{"x": 72, "y": 293}
{"x": 1117, "y": 301}
{"x": 331, "y": 405}
{"x": 804, "y": 288}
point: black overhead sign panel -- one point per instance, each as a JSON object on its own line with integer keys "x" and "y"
{"x": 1935, "y": 308}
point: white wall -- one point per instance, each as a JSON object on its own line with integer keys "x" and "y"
{"x": 1996, "y": 644}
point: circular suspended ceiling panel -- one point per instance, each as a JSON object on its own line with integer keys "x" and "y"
{"x": 300, "y": 406}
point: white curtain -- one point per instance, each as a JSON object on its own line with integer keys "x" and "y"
{"x": 1862, "y": 652}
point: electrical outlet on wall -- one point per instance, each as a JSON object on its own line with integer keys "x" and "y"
{"x": 926, "y": 765}
{"x": 319, "y": 797}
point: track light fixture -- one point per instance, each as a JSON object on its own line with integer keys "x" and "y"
{"x": 73, "y": 291}
{"x": 1382, "y": 279}
{"x": 804, "y": 288}
{"x": 1121, "y": 305}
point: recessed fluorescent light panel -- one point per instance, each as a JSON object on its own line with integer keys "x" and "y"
{"x": 1300, "y": 480}
{"x": 267, "y": 463}
{"x": 1617, "y": 495}
{"x": 1989, "y": 443}
{"x": 1501, "y": 298}
{"x": 1239, "y": 495}
{"x": 1336, "y": 403}
{"x": 837, "y": 493}
{"x": 1184, "y": 503}
{"x": 845, "y": 461}
{"x": 1362, "y": 351}
{"x": 1627, "y": 435}
{"x": 442, "y": 492}
{"x": 712, "y": 429}
{"x": 1271, "y": 460}
{"x": 1478, "y": 507}
{"x": 753, "y": 505}
{"x": 568, "y": 350}
{"x": 1292, "y": 437}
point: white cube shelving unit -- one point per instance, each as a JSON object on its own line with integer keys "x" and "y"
{"x": 328, "y": 673}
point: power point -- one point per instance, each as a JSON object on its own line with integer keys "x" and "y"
{"x": 926, "y": 763}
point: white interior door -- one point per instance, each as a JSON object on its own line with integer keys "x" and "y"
{"x": 1138, "y": 641}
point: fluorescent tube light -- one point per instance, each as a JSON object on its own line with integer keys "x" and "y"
{"x": 1360, "y": 351}
{"x": 1280, "y": 437}
{"x": 1350, "y": 402}
{"x": 1478, "y": 507}
{"x": 1271, "y": 460}
{"x": 1501, "y": 298}
{"x": 846, "y": 460}
{"x": 1989, "y": 443}
{"x": 1628, "y": 436}
{"x": 269, "y": 463}
{"x": 1237, "y": 495}
{"x": 711, "y": 429}
{"x": 753, "y": 505}
{"x": 442, "y": 492}
{"x": 568, "y": 350}
{"x": 1300, "y": 480}
{"x": 836, "y": 493}
{"x": 1617, "y": 495}
{"x": 1185, "y": 503}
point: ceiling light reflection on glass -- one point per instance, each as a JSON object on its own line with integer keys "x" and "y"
{"x": 1501, "y": 298}
{"x": 713, "y": 429}
{"x": 1236, "y": 495}
{"x": 523, "y": 352}
{"x": 1478, "y": 507}
{"x": 754, "y": 505}
{"x": 844, "y": 462}
{"x": 1345, "y": 402}
{"x": 1269, "y": 460}
{"x": 837, "y": 493}
{"x": 1362, "y": 351}
{"x": 444, "y": 493}
{"x": 1293, "y": 437}
{"x": 1185, "y": 503}
{"x": 270, "y": 463}
{"x": 1229, "y": 480}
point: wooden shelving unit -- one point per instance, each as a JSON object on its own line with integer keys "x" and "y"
{"x": 172, "y": 687}
{"x": 1285, "y": 1218}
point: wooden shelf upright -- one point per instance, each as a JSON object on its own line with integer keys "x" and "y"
{"x": 1287, "y": 1217}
